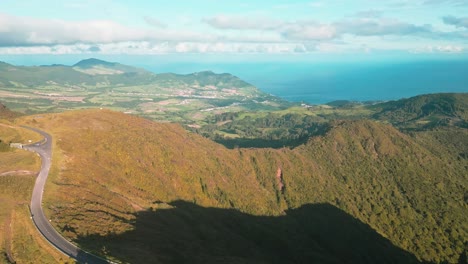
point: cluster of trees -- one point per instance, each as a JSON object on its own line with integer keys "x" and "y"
{"x": 425, "y": 112}
{"x": 270, "y": 130}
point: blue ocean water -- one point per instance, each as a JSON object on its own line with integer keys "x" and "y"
{"x": 317, "y": 83}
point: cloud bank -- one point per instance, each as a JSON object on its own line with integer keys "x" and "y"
{"x": 224, "y": 34}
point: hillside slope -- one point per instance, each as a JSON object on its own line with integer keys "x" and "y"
{"x": 293, "y": 126}
{"x": 95, "y": 67}
{"x": 116, "y": 177}
{"x": 426, "y": 111}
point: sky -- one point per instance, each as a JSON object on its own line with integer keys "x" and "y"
{"x": 229, "y": 29}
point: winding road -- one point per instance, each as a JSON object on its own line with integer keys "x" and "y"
{"x": 44, "y": 149}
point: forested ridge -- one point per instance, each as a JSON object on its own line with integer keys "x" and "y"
{"x": 115, "y": 175}
{"x": 292, "y": 127}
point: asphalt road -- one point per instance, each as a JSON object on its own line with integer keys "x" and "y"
{"x": 44, "y": 149}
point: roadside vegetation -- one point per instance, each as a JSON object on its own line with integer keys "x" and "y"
{"x": 20, "y": 242}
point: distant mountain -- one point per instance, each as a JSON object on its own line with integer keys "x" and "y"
{"x": 204, "y": 79}
{"x": 97, "y": 67}
{"x": 84, "y": 74}
{"x": 425, "y": 111}
{"x": 89, "y": 63}
{"x": 93, "y": 72}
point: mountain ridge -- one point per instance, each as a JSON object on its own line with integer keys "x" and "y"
{"x": 94, "y": 66}
{"x": 93, "y": 62}
{"x": 372, "y": 171}
{"x": 428, "y": 110}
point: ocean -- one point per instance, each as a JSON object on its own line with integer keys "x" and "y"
{"x": 317, "y": 83}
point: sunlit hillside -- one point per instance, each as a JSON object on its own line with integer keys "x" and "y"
{"x": 120, "y": 180}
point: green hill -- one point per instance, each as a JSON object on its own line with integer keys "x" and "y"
{"x": 425, "y": 111}
{"x": 293, "y": 126}
{"x": 89, "y": 63}
{"x": 96, "y": 67}
{"x": 117, "y": 179}
{"x": 72, "y": 77}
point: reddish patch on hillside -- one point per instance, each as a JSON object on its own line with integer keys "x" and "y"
{"x": 279, "y": 179}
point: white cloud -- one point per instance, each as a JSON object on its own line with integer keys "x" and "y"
{"x": 299, "y": 30}
{"x": 366, "y": 23}
{"x": 379, "y": 27}
{"x": 243, "y": 22}
{"x": 229, "y": 34}
{"x": 438, "y": 49}
{"x": 450, "y": 49}
{"x": 309, "y": 31}
{"x": 19, "y": 31}
{"x": 145, "y": 47}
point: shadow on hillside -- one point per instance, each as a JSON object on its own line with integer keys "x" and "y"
{"x": 260, "y": 143}
{"x": 188, "y": 233}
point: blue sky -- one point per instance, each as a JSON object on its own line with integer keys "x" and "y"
{"x": 286, "y": 29}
